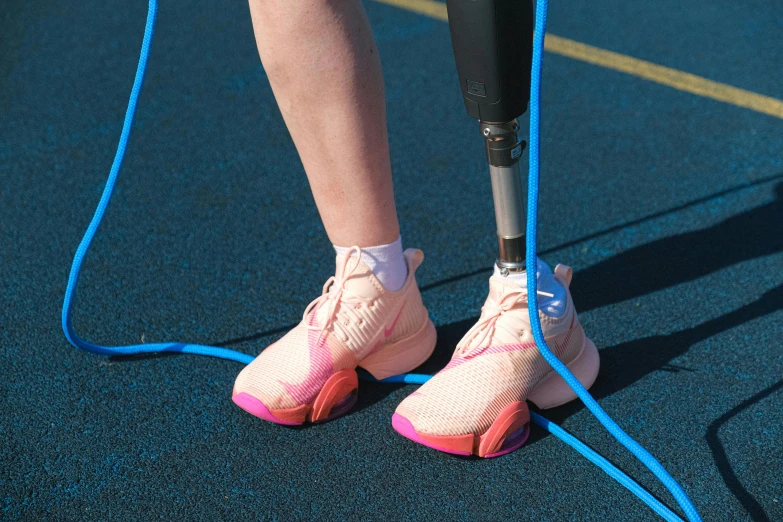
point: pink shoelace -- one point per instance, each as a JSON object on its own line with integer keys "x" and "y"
{"x": 334, "y": 294}
{"x": 489, "y": 321}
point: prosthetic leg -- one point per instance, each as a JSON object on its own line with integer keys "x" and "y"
{"x": 493, "y": 46}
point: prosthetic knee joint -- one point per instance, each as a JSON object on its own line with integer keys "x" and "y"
{"x": 493, "y": 47}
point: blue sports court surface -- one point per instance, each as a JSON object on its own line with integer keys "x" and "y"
{"x": 662, "y": 185}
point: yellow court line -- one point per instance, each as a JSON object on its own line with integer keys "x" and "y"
{"x": 679, "y": 80}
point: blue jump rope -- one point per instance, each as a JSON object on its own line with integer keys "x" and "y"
{"x": 532, "y": 217}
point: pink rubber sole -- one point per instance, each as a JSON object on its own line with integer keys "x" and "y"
{"x": 257, "y": 408}
{"x": 508, "y": 432}
{"x": 336, "y": 398}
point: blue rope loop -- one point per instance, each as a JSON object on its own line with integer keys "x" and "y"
{"x": 225, "y": 353}
{"x": 530, "y": 251}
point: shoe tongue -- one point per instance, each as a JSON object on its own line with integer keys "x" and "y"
{"x": 499, "y": 286}
{"x": 518, "y": 316}
{"x": 361, "y": 281}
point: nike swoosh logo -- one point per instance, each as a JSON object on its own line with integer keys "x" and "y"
{"x": 388, "y": 331}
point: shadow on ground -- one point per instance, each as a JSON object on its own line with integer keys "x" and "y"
{"x": 681, "y": 258}
{"x": 730, "y": 478}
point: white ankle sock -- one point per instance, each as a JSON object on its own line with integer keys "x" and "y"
{"x": 551, "y": 306}
{"x": 386, "y": 262}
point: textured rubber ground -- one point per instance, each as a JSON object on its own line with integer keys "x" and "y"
{"x": 212, "y": 205}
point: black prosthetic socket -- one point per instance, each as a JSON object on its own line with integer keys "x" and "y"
{"x": 493, "y": 48}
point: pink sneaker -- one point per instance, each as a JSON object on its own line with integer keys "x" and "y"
{"x": 476, "y": 404}
{"x": 310, "y": 374}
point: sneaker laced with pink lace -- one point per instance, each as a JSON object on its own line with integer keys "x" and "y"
{"x": 310, "y": 373}
{"x": 476, "y": 404}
